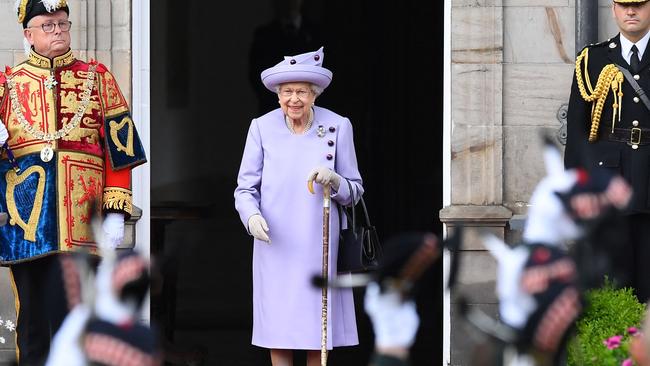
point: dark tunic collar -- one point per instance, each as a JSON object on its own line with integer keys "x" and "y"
{"x": 47, "y": 63}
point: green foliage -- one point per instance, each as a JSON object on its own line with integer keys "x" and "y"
{"x": 609, "y": 312}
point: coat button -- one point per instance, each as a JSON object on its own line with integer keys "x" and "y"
{"x": 332, "y": 129}
{"x": 636, "y": 99}
{"x": 635, "y": 146}
{"x": 293, "y": 62}
{"x": 330, "y": 156}
{"x": 330, "y": 143}
{"x": 600, "y": 163}
{"x": 637, "y": 77}
{"x": 635, "y": 123}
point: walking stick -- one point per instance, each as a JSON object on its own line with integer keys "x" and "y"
{"x": 325, "y": 268}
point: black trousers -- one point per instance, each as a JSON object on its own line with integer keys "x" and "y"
{"x": 41, "y": 307}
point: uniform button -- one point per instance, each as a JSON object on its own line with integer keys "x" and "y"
{"x": 636, "y": 99}
{"x": 635, "y": 146}
{"x": 637, "y": 77}
{"x": 293, "y": 62}
{"x": 330, "y": 157}
{"x": 332, "y": 129}
{"x": 600, "y": 163}
{"x": 330, "y": 143}
{"x": 635, "y": 123}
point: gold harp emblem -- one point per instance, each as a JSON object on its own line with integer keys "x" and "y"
{"x": 115, "y": 128}
{"x": 14, "y": 180}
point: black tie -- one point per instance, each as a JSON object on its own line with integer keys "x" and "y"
{"x": 634, "y": 60}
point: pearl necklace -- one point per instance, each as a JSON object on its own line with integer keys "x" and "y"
{"x": 307, "y": 126}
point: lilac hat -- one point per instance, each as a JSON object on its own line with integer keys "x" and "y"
{"x": 306, "y": 67}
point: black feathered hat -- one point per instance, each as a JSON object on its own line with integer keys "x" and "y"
{"x": 27, "y": 9}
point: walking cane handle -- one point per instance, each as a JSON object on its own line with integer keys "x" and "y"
{"x": 310, "y": 186}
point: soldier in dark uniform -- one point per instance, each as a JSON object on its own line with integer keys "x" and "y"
{"x": 609, "y": 128}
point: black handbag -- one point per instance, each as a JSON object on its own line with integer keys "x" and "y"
{"x": 359, "y": 246}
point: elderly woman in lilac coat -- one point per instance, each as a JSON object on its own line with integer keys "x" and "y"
{"x": 284, "y": 149}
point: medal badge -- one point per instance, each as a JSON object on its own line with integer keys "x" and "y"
{"x": 47, "y": 153}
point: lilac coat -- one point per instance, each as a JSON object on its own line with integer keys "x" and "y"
{"x": 272, "y": 181}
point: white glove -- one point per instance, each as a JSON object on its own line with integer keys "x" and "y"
{"x": 4, "y": 135}
{"x": 395, "y": 322}
{"x": 66, "y": 345}
{"x": 113, "y": 227}
{"x": 325, "y": 176}
{"x": 258, "y": 227}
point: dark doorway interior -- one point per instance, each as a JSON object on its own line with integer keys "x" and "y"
{"x": 387, "y": 64}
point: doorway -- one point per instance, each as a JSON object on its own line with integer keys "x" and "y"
{"x": 387, "y": 64}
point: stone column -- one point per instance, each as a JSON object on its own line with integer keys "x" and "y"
{"x": 476, "y": 152}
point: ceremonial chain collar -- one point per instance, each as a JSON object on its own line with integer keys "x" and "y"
{"x": 74, "y": 122}
{"x": 307, "y": 126}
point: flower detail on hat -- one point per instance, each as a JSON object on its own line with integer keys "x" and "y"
{"x": 305, "y": 59}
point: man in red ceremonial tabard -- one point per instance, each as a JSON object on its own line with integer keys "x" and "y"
{"x": 71, "y": 142}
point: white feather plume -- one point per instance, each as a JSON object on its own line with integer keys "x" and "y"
{"x": 51, "y": 5}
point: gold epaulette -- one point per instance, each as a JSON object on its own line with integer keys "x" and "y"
{"x": 610, "y": 78}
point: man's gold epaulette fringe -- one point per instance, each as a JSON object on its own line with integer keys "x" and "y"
{"x": 610, "y": 78}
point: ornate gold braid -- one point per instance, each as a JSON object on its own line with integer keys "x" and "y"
{"x": 608, "y": 77}
{"x": 118, "y": 199}
{"x": 22, "y": 9}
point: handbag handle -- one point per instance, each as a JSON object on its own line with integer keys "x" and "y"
{"x": 354, "y": 219}
{"x": 363, "y": 207}
{"x": 365, "y": 212}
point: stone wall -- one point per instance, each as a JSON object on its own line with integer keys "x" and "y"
{"x": 511, "y": 72}
{"x": 101, "y": 29}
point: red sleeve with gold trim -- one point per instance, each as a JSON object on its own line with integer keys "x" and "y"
{"x": 122, "y": 147}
